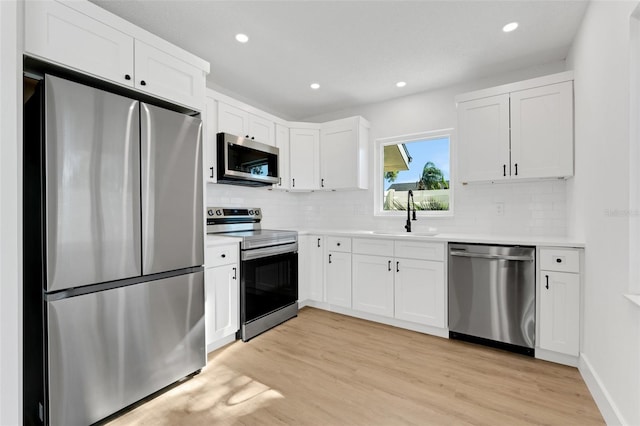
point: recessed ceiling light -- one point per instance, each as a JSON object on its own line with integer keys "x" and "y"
{"x": 401, "y": 84}
{"x": 314, "y": 86}
{"x": 242, "y": 38}
{"x": 510, "y": 27}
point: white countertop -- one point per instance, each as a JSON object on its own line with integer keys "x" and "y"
{"x": 454, "y": 238}
{"x": 212, "y": 240}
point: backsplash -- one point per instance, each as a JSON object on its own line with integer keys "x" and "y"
{"x": 529, "y": 209}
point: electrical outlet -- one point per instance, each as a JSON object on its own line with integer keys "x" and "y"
{"x": 499, "y": 208}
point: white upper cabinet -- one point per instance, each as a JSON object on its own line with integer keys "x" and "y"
{"x": 58, "y": 33}
{"x": 282, "y": 143}
{"x": 83, "y": 37}
{"x": 210, "y": 125}
{"x": 542, "y": 131}
{"x": 160, "y": 74}
{"x": 343, "y": 154}
{"x": 239, "y": 122}
{"x": 483, "y": 129}
{"x": 304, "y": 152}
{"x": 521, "y": 130}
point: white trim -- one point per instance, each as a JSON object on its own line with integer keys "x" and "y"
{"x": 604, "y": 401}
{"x": 634, "y": 151}
{"x": 11, "y": 212}
{"x": 407, "y": 325}
{"x": 217, "y": 344}
{"x": 378, "y": 167}
{"x": 558, "y": 358}
{"x": 633, "y": 298}
{"x": 221, "y": 97}
{"x": 513, "y": 87}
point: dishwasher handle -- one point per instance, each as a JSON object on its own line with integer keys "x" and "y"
{"x": 491, "y": 256}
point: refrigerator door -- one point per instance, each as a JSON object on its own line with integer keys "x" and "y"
{"x": 172, "y": 210}
{"x": 110, "y": 349}
{"x": 92, "y": 200}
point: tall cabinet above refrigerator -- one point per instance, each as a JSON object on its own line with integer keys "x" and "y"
{"x": 113, "y": 251}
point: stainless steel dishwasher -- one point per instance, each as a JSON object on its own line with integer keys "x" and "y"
{"x": 492, "y": 295}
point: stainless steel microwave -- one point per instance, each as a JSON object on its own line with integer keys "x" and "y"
{"x": 243, "y": 161}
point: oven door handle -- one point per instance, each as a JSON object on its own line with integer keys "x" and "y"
{"x": 269, "y": 251}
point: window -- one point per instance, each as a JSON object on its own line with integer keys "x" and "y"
{"x": 420, "y": 163}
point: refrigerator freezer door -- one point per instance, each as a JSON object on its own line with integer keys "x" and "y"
{"x": 92, "y": 157}
{"x": 110, "y": 349}
{"x": 172, "y": 210}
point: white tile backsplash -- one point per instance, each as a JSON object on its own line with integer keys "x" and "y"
{"x": 530, "y": 209}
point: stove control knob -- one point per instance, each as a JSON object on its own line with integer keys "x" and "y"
{"x": 210, "y": 212}
{"x": 251, "y": 212}
{"x": 219, "y": 212}
{"x": 257, "y": 211}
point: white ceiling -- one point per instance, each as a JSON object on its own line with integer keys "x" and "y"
{"x": 356, "y": 50}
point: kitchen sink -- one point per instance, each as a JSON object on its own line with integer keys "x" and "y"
{"x": 408, "y": 234}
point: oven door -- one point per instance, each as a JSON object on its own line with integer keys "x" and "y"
{"x": 267, "y": 283}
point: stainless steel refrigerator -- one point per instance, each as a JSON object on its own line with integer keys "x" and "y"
{"x": 113, "y": 251}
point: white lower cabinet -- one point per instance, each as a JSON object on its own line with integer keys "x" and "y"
{"x": 373, "y": 284}
{"x": 411, "y": 288}
{"x": 311, "y": 268}
{"x": 222, "y": 290}
{"x": 559, "y": 300}
{"x": 420, "y": 292}
{"x": 338, "y": 279}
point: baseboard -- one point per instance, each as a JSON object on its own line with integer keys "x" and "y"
{"x": 217, "y": 344}
{"x": 558, "y": 358}
{"x": 607, "y": 407}
{"x": 420, "y": 328}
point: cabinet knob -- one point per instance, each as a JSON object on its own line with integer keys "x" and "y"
{"x": 223, "y": 255}
{"x": 246, "y": 136}
{"x": 338, "y": 244}
{"x": 559, "y": 260}
{"x": 143, "y": 83}
{"x": 127, "y": 77}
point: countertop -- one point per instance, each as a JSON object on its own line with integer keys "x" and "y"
{"x": 454, "y": 238}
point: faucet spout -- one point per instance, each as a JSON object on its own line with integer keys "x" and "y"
{"x": 410, "y": 201}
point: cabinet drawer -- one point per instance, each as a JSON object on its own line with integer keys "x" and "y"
{"x": 561, "y": 260}
{"x": 221, "y": 255}
{"x": 339, "y": 244}
{"x": 419, "y": 250}
{"x": 373, "y": 247}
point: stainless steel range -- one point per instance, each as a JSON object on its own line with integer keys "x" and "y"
{"x": 268, "y": 268}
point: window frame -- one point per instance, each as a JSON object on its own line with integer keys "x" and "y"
{"x": 378, "y": 172}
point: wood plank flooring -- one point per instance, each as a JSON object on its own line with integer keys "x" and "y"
{"x": 322, "y": 368}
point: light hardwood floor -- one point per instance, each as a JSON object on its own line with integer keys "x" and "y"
{"x": 323, "y": 368}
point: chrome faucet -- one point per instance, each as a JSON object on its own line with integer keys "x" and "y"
{"x": 409, "y": 216}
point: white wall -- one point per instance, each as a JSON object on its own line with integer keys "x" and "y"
{"x": 10, "y": 223}
{"x": 611, "y": 338}
{"x": 536, "y": 209}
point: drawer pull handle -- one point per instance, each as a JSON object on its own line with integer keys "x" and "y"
{"x": 235, "y": 273}
{"x": 558, "y": 260}
{"x": 329, "y": 258}
{"x": 547, "y": 286}
{"x": 397, "y": 266}
{"x": 389, "y": 266}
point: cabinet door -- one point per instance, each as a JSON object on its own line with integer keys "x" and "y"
{"x": 210, "y": 124}
{"x": 339, "y": 155}
{"x": 282, "y": 142}
{"x": 560, "y": 312}
{"x": 542, "y": 132}
{"x": 163, "y": 75}
{"x": 304, "y": 149}
{"x": 372, "y": 284}
{"x": 60, "y": 34}
{"x": 420, "y": 291}
{"x": 316, "y": 268}
{"x": 232, "y": 120}
{"x": 483, "y": 130}
{"x": 222, "y": 316}
{"x": 338, "y": 279}
{"x": 261, "y": 129}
